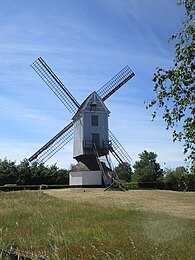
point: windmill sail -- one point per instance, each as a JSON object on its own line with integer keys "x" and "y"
{"x": 66, "y": 134}
{"x": 118, "y": 151}
{"x": 115, "y": 83}
{"x": 54, "y": 145}
{"x": 53, "y": 82}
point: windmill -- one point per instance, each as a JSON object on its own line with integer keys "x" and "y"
{"x": 89, "y": 126}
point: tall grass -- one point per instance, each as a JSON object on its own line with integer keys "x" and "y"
{"x": 35, "y": 224}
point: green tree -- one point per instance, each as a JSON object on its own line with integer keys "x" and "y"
{"x": 174, "y": 87}
{"x": 56, "y": 175}
{"x": 62, "y": 177}
{"x": 147, "y": 169}
{"x": 39, "y": 173}
{"x": 31, "y": 173}
{"x": 124, "y": 171}
{"x": 174, "y": 175}
{"x": 24, "y": 172}
{"x": 179, "y": 178}
{"x": 52, "y": 173}
{"x": 27, "y": 173}
{"x": 8, "y": 171}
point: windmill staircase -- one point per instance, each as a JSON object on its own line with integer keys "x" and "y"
{"x": 109, "y": 175}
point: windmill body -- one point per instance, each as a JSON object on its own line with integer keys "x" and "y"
{"x": 88, "y": 128}
{"x": 91, "y": 128}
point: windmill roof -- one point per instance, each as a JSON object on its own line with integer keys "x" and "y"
{"x": 92, "y": 100}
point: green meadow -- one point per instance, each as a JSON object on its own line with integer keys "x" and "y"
{"x": 35, "y": 224}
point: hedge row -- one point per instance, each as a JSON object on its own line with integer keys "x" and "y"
{"x": 188, "y": 186}
{"x": 32, "y": 187}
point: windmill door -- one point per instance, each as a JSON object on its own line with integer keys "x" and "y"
{"x": 96, "y": 140}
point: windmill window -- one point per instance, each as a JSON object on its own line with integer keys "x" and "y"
{"x": 94, "y": 120}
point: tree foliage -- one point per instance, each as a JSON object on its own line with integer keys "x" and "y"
{"x": 174, "y": 88}
{"x": 27, "y": 173}
{"x": 147, "y": 169}
{"x": 8, "y": 171}
{"x": 180, "y": 178}
{"x": 124, "y": 171}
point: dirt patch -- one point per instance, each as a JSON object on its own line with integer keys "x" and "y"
{"x": 179, "y": 204}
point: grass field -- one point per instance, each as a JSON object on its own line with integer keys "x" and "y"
{"x": 93, "y": 224}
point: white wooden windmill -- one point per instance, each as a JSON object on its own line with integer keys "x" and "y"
{"x": 89, "y": 125}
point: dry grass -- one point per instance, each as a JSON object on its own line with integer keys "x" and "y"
{"x": 178, "y": 204}
{"x": 98, "y": 225}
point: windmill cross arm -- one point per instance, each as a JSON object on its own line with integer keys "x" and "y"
{"x": 115, "y": 83}
{"x": 53, "y": 75}
{"x": 54, "y": 83}
{"x": 51, "y": 142}
{"x": 117, "y": 87}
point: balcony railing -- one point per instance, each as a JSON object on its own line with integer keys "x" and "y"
{"x": 89, "y": 144}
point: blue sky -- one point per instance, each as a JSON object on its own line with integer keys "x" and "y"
{"x": 85, "y": 42}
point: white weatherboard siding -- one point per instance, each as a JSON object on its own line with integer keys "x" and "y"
{"x": 78, "y": 138}
{"x": 85, "y": 178}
